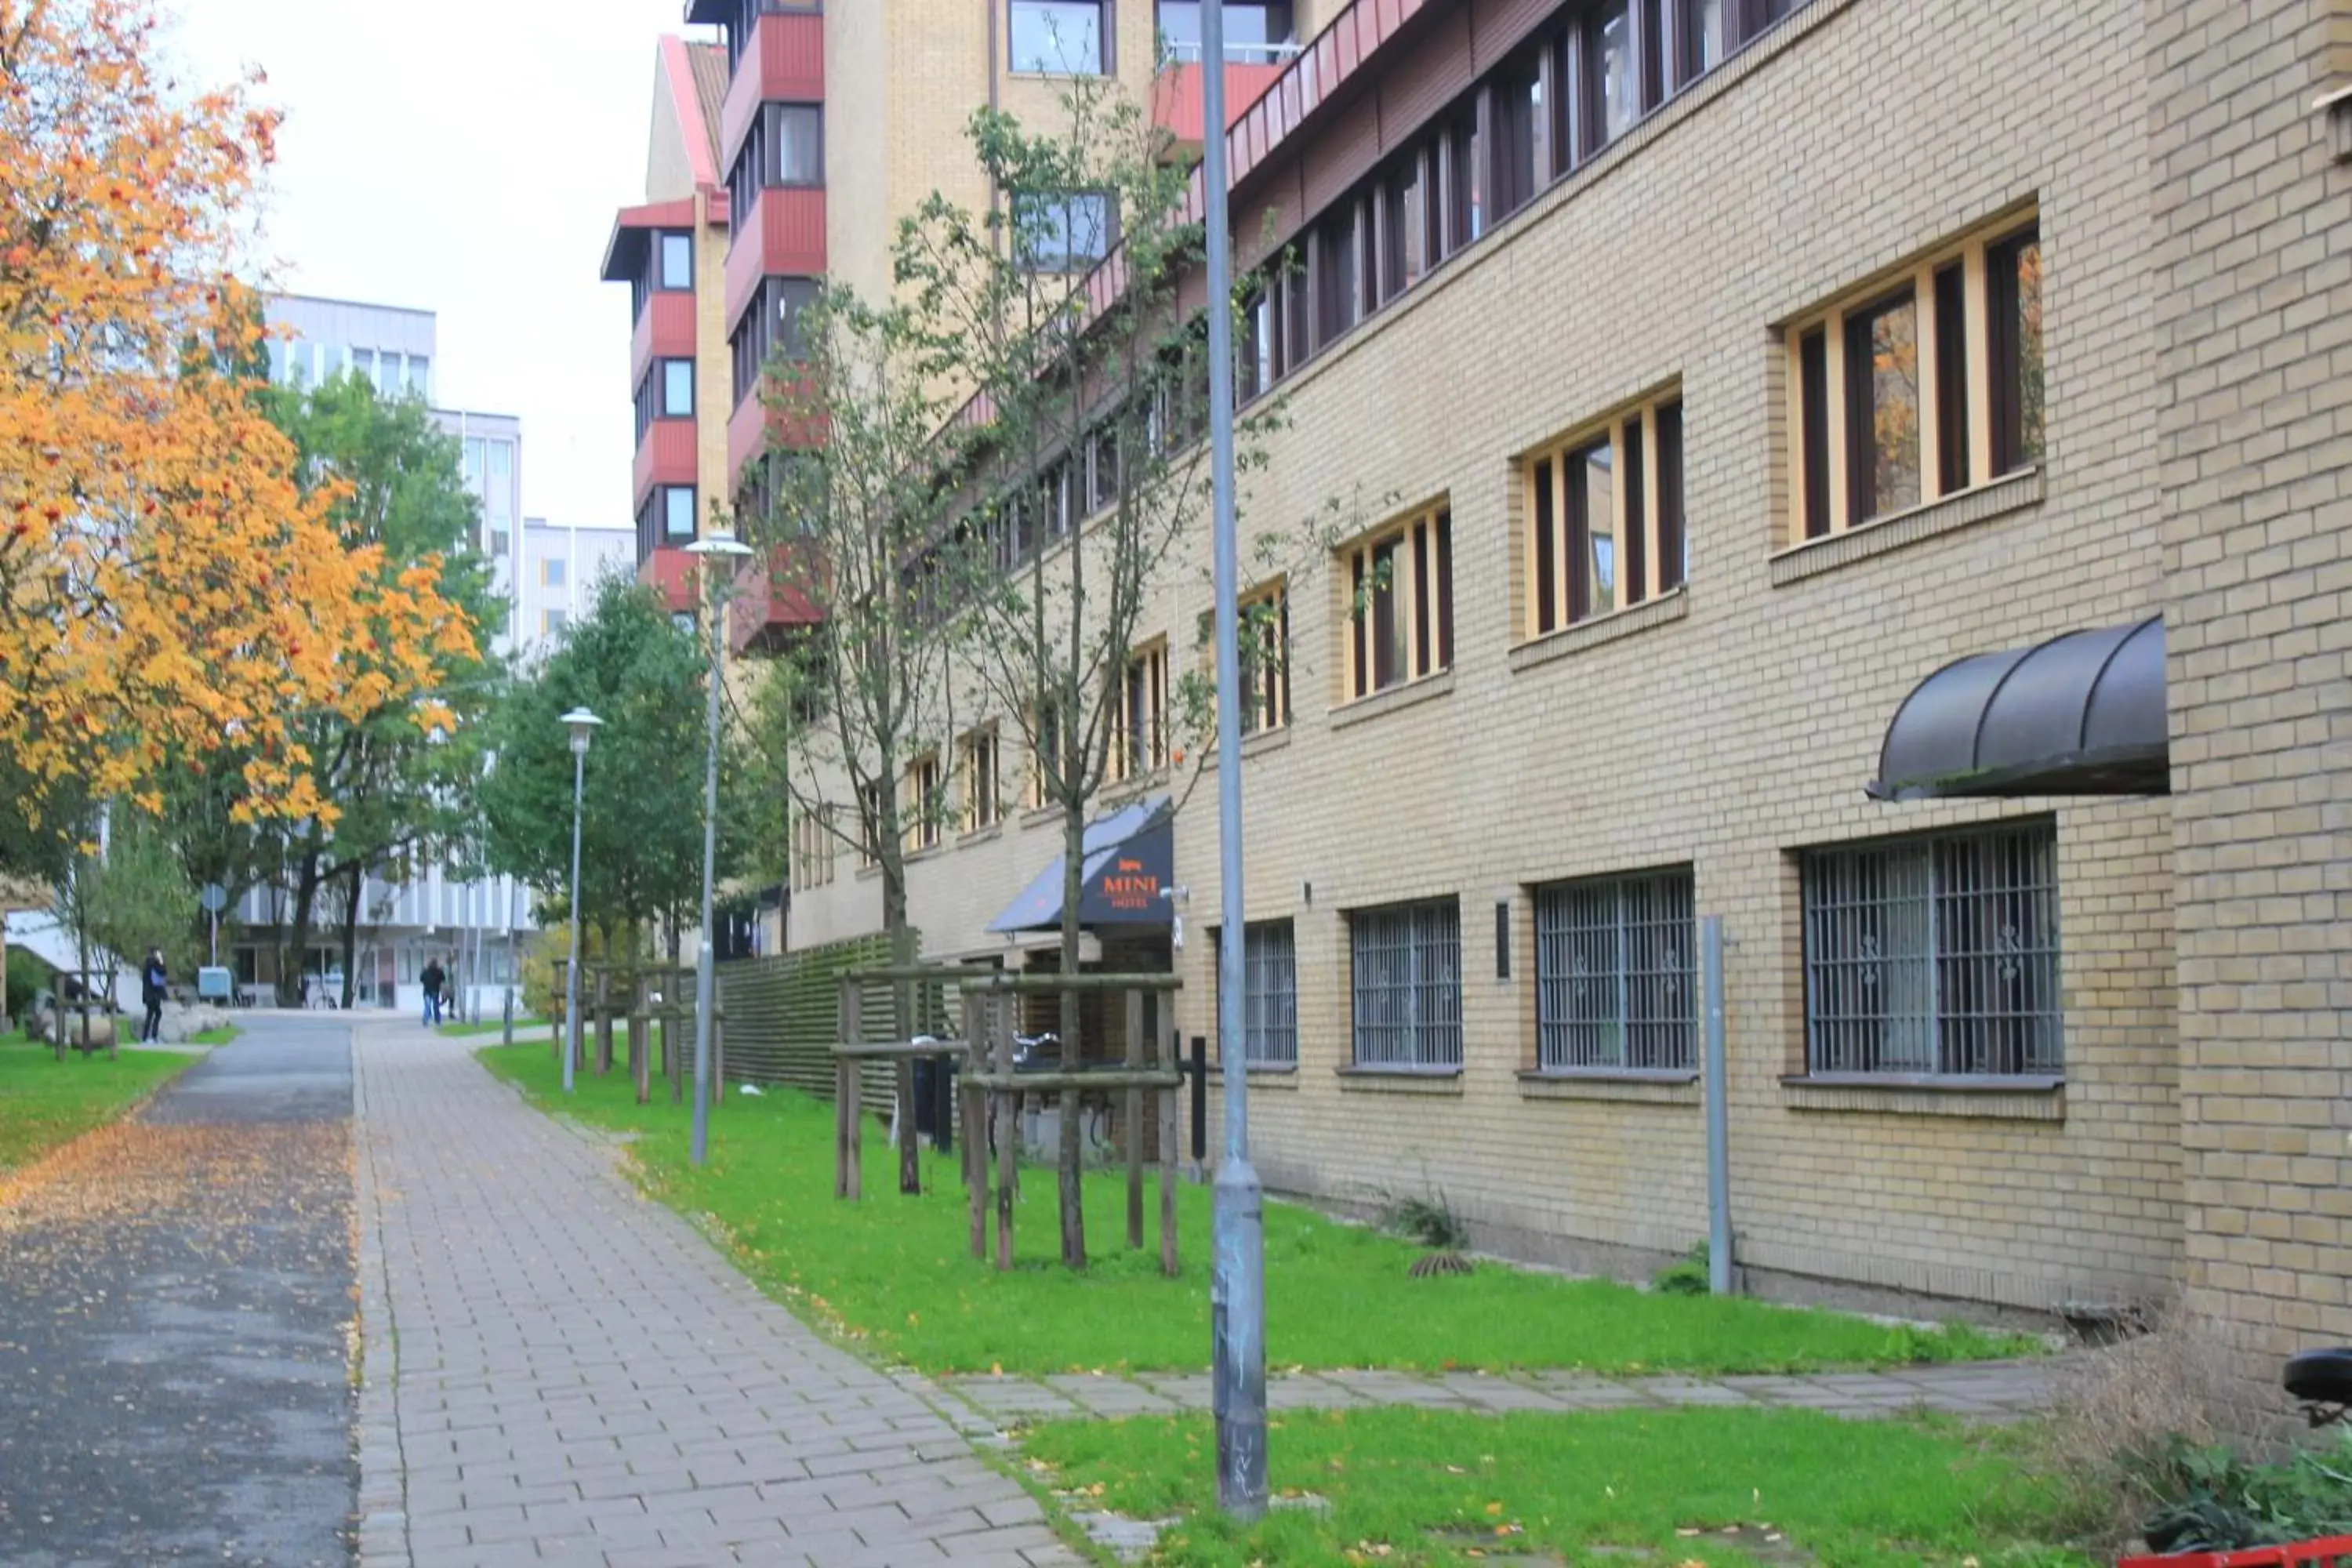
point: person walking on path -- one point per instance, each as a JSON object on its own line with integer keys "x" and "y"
{"x": 153, "y": 980}
{"x": 430, "y": 980}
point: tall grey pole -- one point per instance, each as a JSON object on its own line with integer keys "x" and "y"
{"x": 1718, "y": 1112}
{"x": 1237, "y": 1275}
{"x": 571, "y": 971}
{"x": 700, "y": 1149}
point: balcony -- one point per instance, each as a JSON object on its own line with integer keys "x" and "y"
{"x": 783, "y": 61}
{"x": 748, "y": 429}
{"x": 670, "y": 573}
{"x": 767, "y": 610}
{"x": 783, "y": 237}
{"x": 667, "y": 455}
{"x": 665, "y": 330}
{"x": 1176, "y": 95}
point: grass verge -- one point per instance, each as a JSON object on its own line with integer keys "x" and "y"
{"x": 219, "y": 1036}
{"x": 1401, "y": 1485}
{"x": 895, "y": 1272}
{"x": 487, "y": 1026}
{"x": 45, "y": 1102}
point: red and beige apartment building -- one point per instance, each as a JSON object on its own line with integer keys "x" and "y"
{"x": 1876, "y": 473}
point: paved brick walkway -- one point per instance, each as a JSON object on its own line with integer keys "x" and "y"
{"x": 1993, "y": 1391}
{"x": 557, "y": 1370}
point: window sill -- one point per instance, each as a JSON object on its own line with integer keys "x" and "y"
{"x": 1054, "y": 76}
{"x": 1664, "y": 1087}
{"x": 870, "y": 873}
{"x": 981, "y": 835}
{"x": 1134, "y": 787}
{"x": 1608, "y": 628}
{"x": 1400, "y": 1080}
{"x": 1364, "y": 709}
{"x": 1252, "y": 745}
{"x": 1264, "y": 1076}
{"x": 1947, "y": 514}
{"x": 1990, "y": 1099}
{"x": 1039, "y": 816}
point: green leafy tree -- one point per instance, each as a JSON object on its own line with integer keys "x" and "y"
{"x": 400, "y": 791}
{"x": 124, "y": 899}
{"x": 641, "y": 838}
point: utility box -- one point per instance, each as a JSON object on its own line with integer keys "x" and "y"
{"x": 214, "y": 984}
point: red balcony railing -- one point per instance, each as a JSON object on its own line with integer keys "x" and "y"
{"x": 767, "y": 608}
{"x": 783, "y": 235}
{"x": 783, "y": 62}
{"x": 667, "y": 455}
{"x": 1176, "y": 96}
{"x": 665, "y": 330}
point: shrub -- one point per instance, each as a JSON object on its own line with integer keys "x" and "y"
{"x": 2223, "y": 1503}
{"x": 1429, "y": 1221}
{"x": 26, "y": 975}
{"x": 1687, "y": 1276}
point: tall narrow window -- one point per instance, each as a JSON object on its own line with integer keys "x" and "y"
{"x": 1335, "y": 278}
{"x": 677, "y": 511}
{"x": 1882, "y": 384}
{"x": 1519, "y": 126}
{"x": 1544, "y": 562}
{"x": 2013, "y": 301}
{"x": 676, "y": 261}
{"x": 1705, "y": 35}
{"x": 677, "y": 388}
{"x": 1634, "y": 555}
{"x": 796, "y": 134}
{"x": 1591, "y": 477}
{"x": 1951, "y": 378}
{"x": 1141, "y": 745}
{"x": 1400, "y": 625}
{"x": 1673, "y": 540}
{"x": 1814, "y": 374}
{"x": 1613, "y": 71}
{"x": 980, "y": 779}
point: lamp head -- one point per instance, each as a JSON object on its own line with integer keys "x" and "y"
{"x": 718, "y": 543}
{"x": 582, "y": 725}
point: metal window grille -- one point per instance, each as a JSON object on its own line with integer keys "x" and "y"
{"x": 1935, "y": 956}
{"x": 1615, "y": 983}
{"x": 1270, "y": 968}
{"x": 1407, "y": 985}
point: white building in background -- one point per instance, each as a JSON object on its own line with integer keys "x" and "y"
{"x": 561, "y": 565}
{"x": 472, "y": 926}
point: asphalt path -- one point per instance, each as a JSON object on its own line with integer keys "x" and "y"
{"x": 177, "y": 1301}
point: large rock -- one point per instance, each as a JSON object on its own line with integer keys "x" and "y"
{"x": 182, "y": 1021}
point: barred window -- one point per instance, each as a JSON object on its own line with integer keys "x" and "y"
{"x": 1269, "y": 992}
{"x": 1616, "y": 985}
{"x": 1936, "y": 956}
{"x": 1408, "y": 984}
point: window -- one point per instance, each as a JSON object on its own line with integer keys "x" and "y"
{"x": 1615, "y": 983}
{"x": 979, "y": 771}
{"x": 1059, "y": 37}
{"x": 1140, "y": 745}
{"x": 552, "y": 572}
{"x": 1336, "y": 306}
{"x": 1522, "y": 145}
{"x": 770, "y": 326}
{"x": 677, "y": 389}
{"x": 1045, "y": 753}
{"x": 1612, "y": 102}
{"x": 814, "y": 847}
{"x": 677, "y": 511}
{"x": 498, "y": 494}
{"x": 551, "y": 621}
{"x": 785, "y": 147}
{"x": 1257, "y": 32}
{"x": 1935, "y": 955}
{"x": 1061, "y": 232}
{"x": 1931, "y": 383}
{"x": 1401, "y": 622}
{"x": 1264, "y": 634}
{"x": 1270, "y": 993}
{"x": 1604, "y": 518}
{"x": 677, "y": 262}
{"x": 420, "y": 377}
{"x": 2013, "y": 329}
{"x": 1102, "y": 454}
{"x": 924, "y": 802}
{"x": 1407, "y": 963}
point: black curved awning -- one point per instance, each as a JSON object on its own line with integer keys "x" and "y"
{"x": 2080, "y": 714}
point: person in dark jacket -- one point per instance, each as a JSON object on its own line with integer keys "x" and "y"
{"x": 431, "y": 980}
{"x": 154, "y": 980}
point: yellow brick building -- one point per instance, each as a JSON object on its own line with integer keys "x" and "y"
{"x": 1726, "y": 369}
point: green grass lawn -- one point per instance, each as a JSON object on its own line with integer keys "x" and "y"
{"x": 1401, "y": 1485}
{"x": 896, "y": 1272}
{"x": 219, "y": 1036}
{"x": 45, "y": 1102}
{"x": 490, "y": 1026}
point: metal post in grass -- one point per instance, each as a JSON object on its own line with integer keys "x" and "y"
{"x": 1718, "y": 1114}
{"x": 582, "y": 724}
{"x": 719, "y": 551}
{"x": 1237, "y": 1276}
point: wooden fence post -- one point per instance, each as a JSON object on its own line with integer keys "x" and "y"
{"x": 911, "y": 1153}
{"x": 978, "y": 1023}
{"x": 1008, "y": 1135}
{"x": 603, "y": 1019}
{"x": 641, "y": 1038}
{"x": 1165, "y": 1058}
{"x": 848, "y": 1073}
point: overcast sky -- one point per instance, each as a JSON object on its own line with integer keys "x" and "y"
{"x": 465, "y": 157}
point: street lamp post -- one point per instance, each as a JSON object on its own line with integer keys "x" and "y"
{"x": 713, "y": 547}
{"x": 582, "y": 724}
{"x": 1237, "y": 1272}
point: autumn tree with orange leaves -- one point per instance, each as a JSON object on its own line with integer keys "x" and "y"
{"x": 169, "y": 593}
